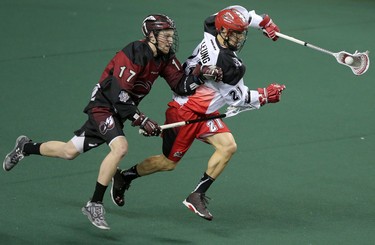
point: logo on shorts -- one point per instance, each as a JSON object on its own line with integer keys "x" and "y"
{"x": 177, "y": 154}
{"x": 123, "y": 96}
{"x": 107, "y": 125}
{"x": 237, "y": 62}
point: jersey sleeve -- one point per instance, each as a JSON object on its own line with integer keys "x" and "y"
{"x": 172, "y": 72}
{"x": 209, "y": 25}
{"x": 239, "y": 95}
{"x": 180, "y": 83}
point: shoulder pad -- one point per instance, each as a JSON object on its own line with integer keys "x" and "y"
{"x": 138, "y": 52}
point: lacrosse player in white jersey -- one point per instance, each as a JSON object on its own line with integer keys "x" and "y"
{"x": 224, "y": 34}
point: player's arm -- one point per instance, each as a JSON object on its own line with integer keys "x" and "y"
{"x": 186, "y": 84}
{"x": 124, "y": 73}
{"x": 127, "y": 109}
{"x": 265, "y": 23}
{"x": 240, "y": 95}
{"x": 123, "y": 105}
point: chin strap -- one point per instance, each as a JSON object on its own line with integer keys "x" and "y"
{"x": 158, "y": 51}
{"x": 155, "y": 45}
{"x": 226, "y": 42}
{"x": 231, "y": 47}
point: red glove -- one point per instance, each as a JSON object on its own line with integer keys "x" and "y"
{"x": 269, "y": 28}
{"x": 271, "y": 94}
{"x": 150, "y": 127}
{"x": 208, "y": 72}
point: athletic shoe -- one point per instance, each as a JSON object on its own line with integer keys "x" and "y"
{"x": 119, "y": 186}
{"x": 196, "y": 202}
{"x": 16, "y": 154}
{"x": 95, "y": 212}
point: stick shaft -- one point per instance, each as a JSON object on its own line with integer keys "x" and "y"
{"x": 303, "y": 43}
{"x": 179, "y": 124}
{"x": 173, "y": 125}
{"x": 230, "y": 113}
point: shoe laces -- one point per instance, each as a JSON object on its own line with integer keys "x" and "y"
{"x": 124, "y": 187}
{"x": 121, "y": 191}
{"x": 204, "y": 199}
{"x": 17, "y": 156}
{"x": 97, "y": 210}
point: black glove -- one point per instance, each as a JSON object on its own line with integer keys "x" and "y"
{"x": 150, "y": 127}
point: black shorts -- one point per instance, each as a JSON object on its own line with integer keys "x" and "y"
{"x": 102, "y": 127}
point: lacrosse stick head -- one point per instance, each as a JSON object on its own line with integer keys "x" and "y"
{"x": 234, "y": 110}
{"x": 360, "y": 64}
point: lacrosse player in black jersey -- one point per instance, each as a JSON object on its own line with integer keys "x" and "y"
{"x": 125, "y": 81}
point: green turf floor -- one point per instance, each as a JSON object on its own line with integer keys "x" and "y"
{"x": 304, "y": 170}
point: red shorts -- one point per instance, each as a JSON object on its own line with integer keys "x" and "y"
{"x": 177, "y": 141}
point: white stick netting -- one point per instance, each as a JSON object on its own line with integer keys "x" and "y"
{"x": 361, "y": 61}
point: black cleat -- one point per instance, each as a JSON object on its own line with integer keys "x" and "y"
{"x": 196, "y": 202}
{"x": 119, "y": 186}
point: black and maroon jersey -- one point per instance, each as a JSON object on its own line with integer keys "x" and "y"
{"x": 129, "y": 77}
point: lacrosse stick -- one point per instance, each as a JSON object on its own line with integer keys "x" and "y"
{"x": 230, "y": 112}
{"x": 359, "y": 63}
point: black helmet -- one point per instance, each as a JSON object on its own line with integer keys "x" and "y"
{"x": 158, "y": 22}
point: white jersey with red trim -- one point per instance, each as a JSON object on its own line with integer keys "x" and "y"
{"x": 211, "y": 96}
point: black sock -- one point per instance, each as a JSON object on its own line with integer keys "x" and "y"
{"x": 204, "y": 184}
{"x": 32, "y": 148}
{"x": 99, "y": 192}
{"x": 130, "y": 174}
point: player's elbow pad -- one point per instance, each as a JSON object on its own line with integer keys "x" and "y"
{"x": 188, "y": 86}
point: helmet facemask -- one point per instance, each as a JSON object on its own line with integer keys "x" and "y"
{"x": 234, "y": 40}
{"x": 166, "y": 38}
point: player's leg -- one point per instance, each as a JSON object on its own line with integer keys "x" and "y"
{"x": 118, "y": 149}
{"x": 225, "y": 147}
{"x": 94, "y": 208}
{"x": 64, "y": 150}
{"x": 108, "y": 128}
{"x": 25, "y": 147}
{"x": 122, "y": 179}
{"x": 175, "y": 144}
{"x": 155, "y": 164}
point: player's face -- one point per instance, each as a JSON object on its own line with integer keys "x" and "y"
{"x": 165, "y": 40}
{"x": 237, "y": 39}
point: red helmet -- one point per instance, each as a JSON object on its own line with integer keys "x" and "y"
{"x": 157, "y": 22}
{"x": 232, "y": 20}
